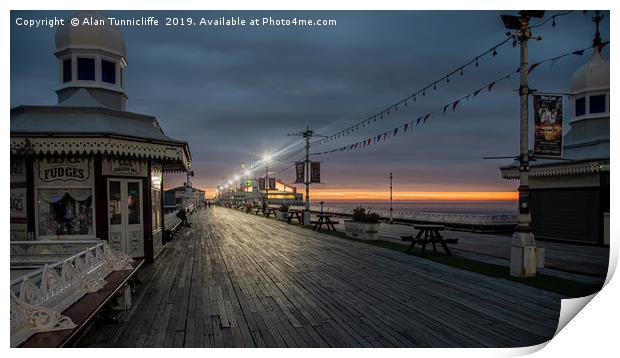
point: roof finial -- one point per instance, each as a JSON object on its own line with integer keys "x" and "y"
{"x": 597, "y": 42}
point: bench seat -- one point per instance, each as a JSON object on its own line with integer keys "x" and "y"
{"x": 83, "y": 312}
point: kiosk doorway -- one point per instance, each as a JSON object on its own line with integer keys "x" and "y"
{"x": 125, "y": 221}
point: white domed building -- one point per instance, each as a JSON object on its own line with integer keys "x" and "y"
{"x": 569, "y": 198}
{"x": 86, "y": 168}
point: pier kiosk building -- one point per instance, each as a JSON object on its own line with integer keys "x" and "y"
{"x": 86, "y": 168}
{"x": 569, "y": 198}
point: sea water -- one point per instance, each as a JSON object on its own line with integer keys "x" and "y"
{"x": 472, "y": 207}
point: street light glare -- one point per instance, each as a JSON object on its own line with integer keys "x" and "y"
{"x": 236, "y": 177}
{"x": 267, "y": 157}
{"x": 247, "y": 173}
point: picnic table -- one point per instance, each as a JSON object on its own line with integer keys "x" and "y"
{"x": 431, "y": 236}
{"x": 257, "y": 209}
{"x": 324, "y": 219}
{"x": 294, "y": 213}
{"x": 271, "y": 210}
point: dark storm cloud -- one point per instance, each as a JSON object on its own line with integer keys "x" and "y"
{"x": 234, "y": 93}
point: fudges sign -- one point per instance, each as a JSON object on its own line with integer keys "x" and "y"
{"x": 64, "y": 170}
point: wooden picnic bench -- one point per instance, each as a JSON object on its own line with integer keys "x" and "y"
{"x": 258, "y": 209}
{"x": 271, "y": 210}
{"x": 324, "y": 219}
{"x": 431, "y": 236}
{"x": 294, "y": 213}
{"x": 84, "y": 311}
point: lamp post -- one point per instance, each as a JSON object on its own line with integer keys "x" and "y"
{"x": 523, "y": 251}
{"x": 267, "y": 158}
{"x": 307, "y": 136}
{"x": 391, "y": 208}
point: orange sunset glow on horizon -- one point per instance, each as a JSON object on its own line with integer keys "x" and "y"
{"x": 369, "y": 195}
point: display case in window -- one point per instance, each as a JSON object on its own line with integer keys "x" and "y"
{"x": 65, "y": 212}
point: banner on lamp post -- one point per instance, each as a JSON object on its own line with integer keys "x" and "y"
{"x": 299, "y": 172}
{"x": 261, "y": 183}
{"x": 548, "y": 125}
{"x": 272, "y": 183}
{"x": 315, "y": 172}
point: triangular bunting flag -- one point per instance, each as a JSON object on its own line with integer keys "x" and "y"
{"x": 426, "y": 117}
{"x": 476, "y": 92}
{"x": 456, "y": 103}
{"x": 445, "y": 108}
{"x": 395, "y": 130}
{"x": 491, "y": 86}
{"x": 578, "y": 53}
{"x": 532, "y": 67}
{"x": 406, "y": 125}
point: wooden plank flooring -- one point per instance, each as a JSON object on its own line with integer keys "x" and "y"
{"x": 239, "y": 280}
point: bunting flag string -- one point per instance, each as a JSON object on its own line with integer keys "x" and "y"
{"x": 426, "y": 89}
{"x": 383, "y": 137}
{"x": 405, "y": 102}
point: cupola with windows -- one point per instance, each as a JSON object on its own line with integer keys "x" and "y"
{"x": 92, "y": 56}
{"x": 589, "y": 125}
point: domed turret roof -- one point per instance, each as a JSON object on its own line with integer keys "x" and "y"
{"x": 593, "y": 75}
{"x": 105, "y": 37}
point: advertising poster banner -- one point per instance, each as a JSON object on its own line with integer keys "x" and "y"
{"x": 315, "y": 172}
{"x": 299, "y": 172}
{"x": 548, "y": 125}
{"x": 272, "y": 183}
{"x": 261, "y": 183}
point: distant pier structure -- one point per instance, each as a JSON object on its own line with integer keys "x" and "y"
{"x": 86, "y": 168}
{"x": 569, "y": 197}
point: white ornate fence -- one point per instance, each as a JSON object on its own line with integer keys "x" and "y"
{"x": 38, "y": 297}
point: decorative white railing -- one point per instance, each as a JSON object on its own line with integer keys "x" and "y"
{"x": 25, "y": 254}
{"x": 39, "y": 296}
{"x": 443, "y": 218}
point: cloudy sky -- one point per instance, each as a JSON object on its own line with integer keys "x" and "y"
{"x": 234, "y": 93}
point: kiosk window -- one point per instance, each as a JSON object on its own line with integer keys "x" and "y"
{"x": 65, "y": 212}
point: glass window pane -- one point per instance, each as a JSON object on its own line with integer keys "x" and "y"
{"x": 65, "y": 212}
{"x": 66, "y": 70}
{"x": 108, "y": 71}
{"x": 580, "y": 106}
{"x": 156, "y": 209}
{"x": 114, "y": 203}
{"x": 133, "y": 203}
{"x": 597, "y": 104}
{"x": 86, "y": 69}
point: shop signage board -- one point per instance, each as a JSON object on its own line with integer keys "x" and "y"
{"x": 125, "y": 167}
{"x": 64, "y": 170}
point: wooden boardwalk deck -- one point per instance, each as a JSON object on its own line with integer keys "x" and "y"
{"x": 239, "y": 280}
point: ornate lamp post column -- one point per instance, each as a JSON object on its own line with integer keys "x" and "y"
{"x": 523, "y": 249}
